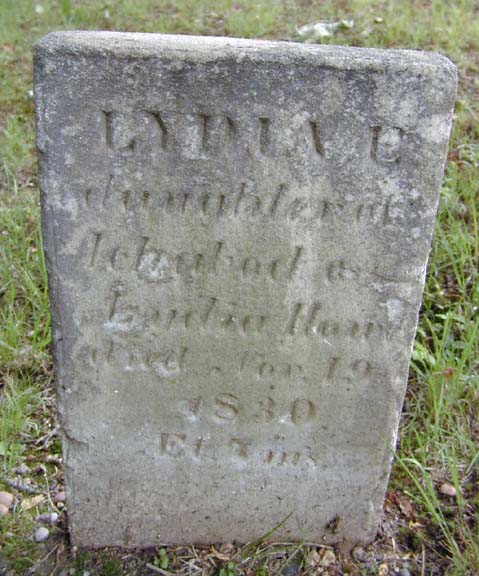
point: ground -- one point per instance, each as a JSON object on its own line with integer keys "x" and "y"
{"x": 431, "y": 515}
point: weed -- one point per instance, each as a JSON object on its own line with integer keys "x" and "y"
{"x": 110, "y": 567}
{"x": 228, "y": 569}
{"x": 161, "y": 561}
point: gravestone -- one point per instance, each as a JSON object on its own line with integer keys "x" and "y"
{"x": 236, "y": 235}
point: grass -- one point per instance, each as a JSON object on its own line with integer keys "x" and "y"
{"x": 432, "y": 532}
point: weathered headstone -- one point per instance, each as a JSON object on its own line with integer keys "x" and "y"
{"x": 237, "y": 235}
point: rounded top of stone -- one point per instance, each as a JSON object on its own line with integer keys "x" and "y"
{"x": 210, "y": 48}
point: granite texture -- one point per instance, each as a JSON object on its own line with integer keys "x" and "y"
{"x": 236, "y": 235}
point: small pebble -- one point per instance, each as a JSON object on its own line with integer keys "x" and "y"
{"x": 51, "y": 459}
{"x": 290, "y": 569}
{"x": 6, "y": 499}
{"x": 60, "y": 497}
{"x": 447, "y": 489}
{"x": 23, "y": 469}
{"x": 47, "y": 518}
{"x": 329, "y": 557}
{"x": 383, "y": 570}
{"x": 359, "y": 554}
{"x": 41, "y": 534}
{"x": 3, "y": 510}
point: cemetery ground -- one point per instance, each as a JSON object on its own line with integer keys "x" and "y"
{"x": 431, "y": 519}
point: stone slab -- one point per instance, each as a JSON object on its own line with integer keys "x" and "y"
{"x": 236, "y": 235}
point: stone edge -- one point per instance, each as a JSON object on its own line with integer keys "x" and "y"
{"x": 202, "y": 49}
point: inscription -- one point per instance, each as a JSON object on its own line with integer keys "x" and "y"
{"x": 154, "y": 264}
{"x": 204, "y": 122}
{"x": 162, "y": 362}
{"x": 208, "y": 134}
{"x": 386, "y": 143}
{"x": 96, "y": 244}
{"x": 306, "y": 319}
{"x": 179, "y": 445}
{"x": 227, "y": 407}
{"x": 205, "y": 133}
{"x": 118, "y": 133}
{"x": 302, "y": 410}
{"x": 248, "y": 202}
{"x": 340, "y": 271}
{"x": 242, "y": 447}
{"x": 294, "y": 458}
{"x": 162, "y": 129}
{"x": 108, "y": 191}
{"x": 338, "y": 369}
{"x": 318, "y": 145}
{"x": 265, "y": 134}
{"x": 259, "y": 364}
{"x": 125, "y": 317}
{"x": 157, "y": 265}
{"x": 172, "y": 444}
{"x": 167, "y": 130}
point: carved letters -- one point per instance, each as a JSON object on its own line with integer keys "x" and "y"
{"x": 142, "y": 337}
{"x": 209, "y": 314}
{"x": 178, "y": 445}
{"x": 226, "y": 407}
{"x": 197, "y": 134}
{"x": 244, "y": 201}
